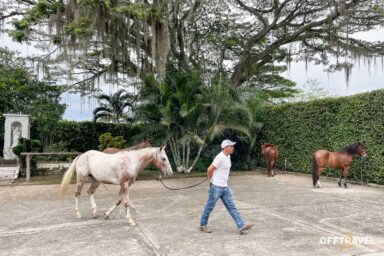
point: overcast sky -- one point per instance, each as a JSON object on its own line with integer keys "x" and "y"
{"x": 364, "y": 77}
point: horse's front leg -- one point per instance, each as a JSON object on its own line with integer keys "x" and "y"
{"x": 127, "y": 205}
{"x": 109, "y": 212}
{"x": 341, "y": 177}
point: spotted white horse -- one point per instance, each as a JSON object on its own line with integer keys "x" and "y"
{"x": 121, "y": 168}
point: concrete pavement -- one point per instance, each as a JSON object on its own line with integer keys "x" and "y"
{"x": 290, "y": 217}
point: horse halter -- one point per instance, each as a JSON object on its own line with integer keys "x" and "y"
{"x": 160, "y": 164}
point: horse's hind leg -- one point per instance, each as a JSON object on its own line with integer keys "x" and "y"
{"x": 91, "y": 192}
{"x": 269, "y": 167}
{"x": 319, "y": 171}
{"x": 79, "y": 186}
{"x": 341, "y": 177}
{"x": 273, "y": 168}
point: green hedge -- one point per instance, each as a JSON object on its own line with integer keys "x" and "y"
{"x": 299, "y": 129}
{"x": 83, "y": 136}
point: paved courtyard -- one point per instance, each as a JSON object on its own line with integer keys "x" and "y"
{"x": 290, "y": 218}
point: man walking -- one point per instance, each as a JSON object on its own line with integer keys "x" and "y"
{"x": 218, "y": 173}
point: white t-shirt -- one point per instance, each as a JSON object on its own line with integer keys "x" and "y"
{"x": 223, "y": 164}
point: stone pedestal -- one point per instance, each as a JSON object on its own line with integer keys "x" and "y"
{"x": 16, "y": 126}
{"x": 9, "y": 169}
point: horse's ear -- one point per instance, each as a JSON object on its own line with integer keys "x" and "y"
{"x": 162, "y": 146}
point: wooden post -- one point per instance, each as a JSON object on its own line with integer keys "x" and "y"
{"x": 28, "y": 167}
{"x": 29, "y": 155}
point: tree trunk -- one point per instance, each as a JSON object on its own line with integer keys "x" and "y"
{"x": 160, "y": 39}
{"x": 241, "y": 70}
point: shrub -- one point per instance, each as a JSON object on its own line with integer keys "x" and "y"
{"x": 108, "y": 141}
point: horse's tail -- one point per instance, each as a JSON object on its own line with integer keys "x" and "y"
{"x": 314, "y": 169}
{"x": 67, "y": 178}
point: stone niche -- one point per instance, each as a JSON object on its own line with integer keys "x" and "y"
{"x": 16, "y": 126}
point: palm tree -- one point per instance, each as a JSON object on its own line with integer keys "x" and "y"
{"x": 192, "y": 113}
{"x": 114, "y": 108}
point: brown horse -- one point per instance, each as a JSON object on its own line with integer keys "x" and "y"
{"x": 337, "y": 160}
{"x": 144, "y": 144}
{"x": 271, "y": 154}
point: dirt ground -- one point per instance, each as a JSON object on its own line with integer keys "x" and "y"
{"x": 290, "y": 217}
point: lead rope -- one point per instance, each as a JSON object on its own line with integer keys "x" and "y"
{"x": 160, "y": 178}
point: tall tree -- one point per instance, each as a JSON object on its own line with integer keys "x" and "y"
{"x": 234, "y": 38}
{"x": 21, "y": 91}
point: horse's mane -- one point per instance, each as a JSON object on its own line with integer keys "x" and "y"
{"x": 141, "y": 150}
{"x": 143, "y": 144}
{"x": 351, "y": 149}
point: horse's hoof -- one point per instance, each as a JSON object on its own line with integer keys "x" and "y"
{"x": 345, "y": 185}
{"x": 106, "y": 216}
{"x": 94, "y": 215}
{"x": 78, "y": 215}
{"x": 131, "y": 222}
{"x": 339, "y": 184}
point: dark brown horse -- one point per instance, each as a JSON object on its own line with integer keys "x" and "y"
{"x": 271, "y": 154}
{"x": 144, "y": 144}
{"x": 337, "y": 160}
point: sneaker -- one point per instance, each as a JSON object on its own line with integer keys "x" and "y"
{"x": 205, "y": 229}
{"x": 245, "y": 228}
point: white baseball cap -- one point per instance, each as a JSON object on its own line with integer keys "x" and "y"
{"x": 226, "y": 143}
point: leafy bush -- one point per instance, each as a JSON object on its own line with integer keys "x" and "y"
{"x": 83, "y": 136}
{"x": 108, "y": 141}
{"x": 27, "y": 145}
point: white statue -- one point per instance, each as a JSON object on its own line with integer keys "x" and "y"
{"x": 16, "y": 135}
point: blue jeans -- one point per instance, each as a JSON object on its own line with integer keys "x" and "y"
{"x": 225, "y": 194}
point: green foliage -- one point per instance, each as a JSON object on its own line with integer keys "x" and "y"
{"x": 300, "y": 129}
{"x": 40, "y": 11}
{"x": 192, "y": 112}
{"x": 83, "y": 136}
{"x": 81, "y": 28}
{"x": 21, "y": 92}
{"x": 136, "y": 10}
{"x": 107, "y": 140}
{"x": 27, "y": 145}
{"x": 274, "y": 85}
